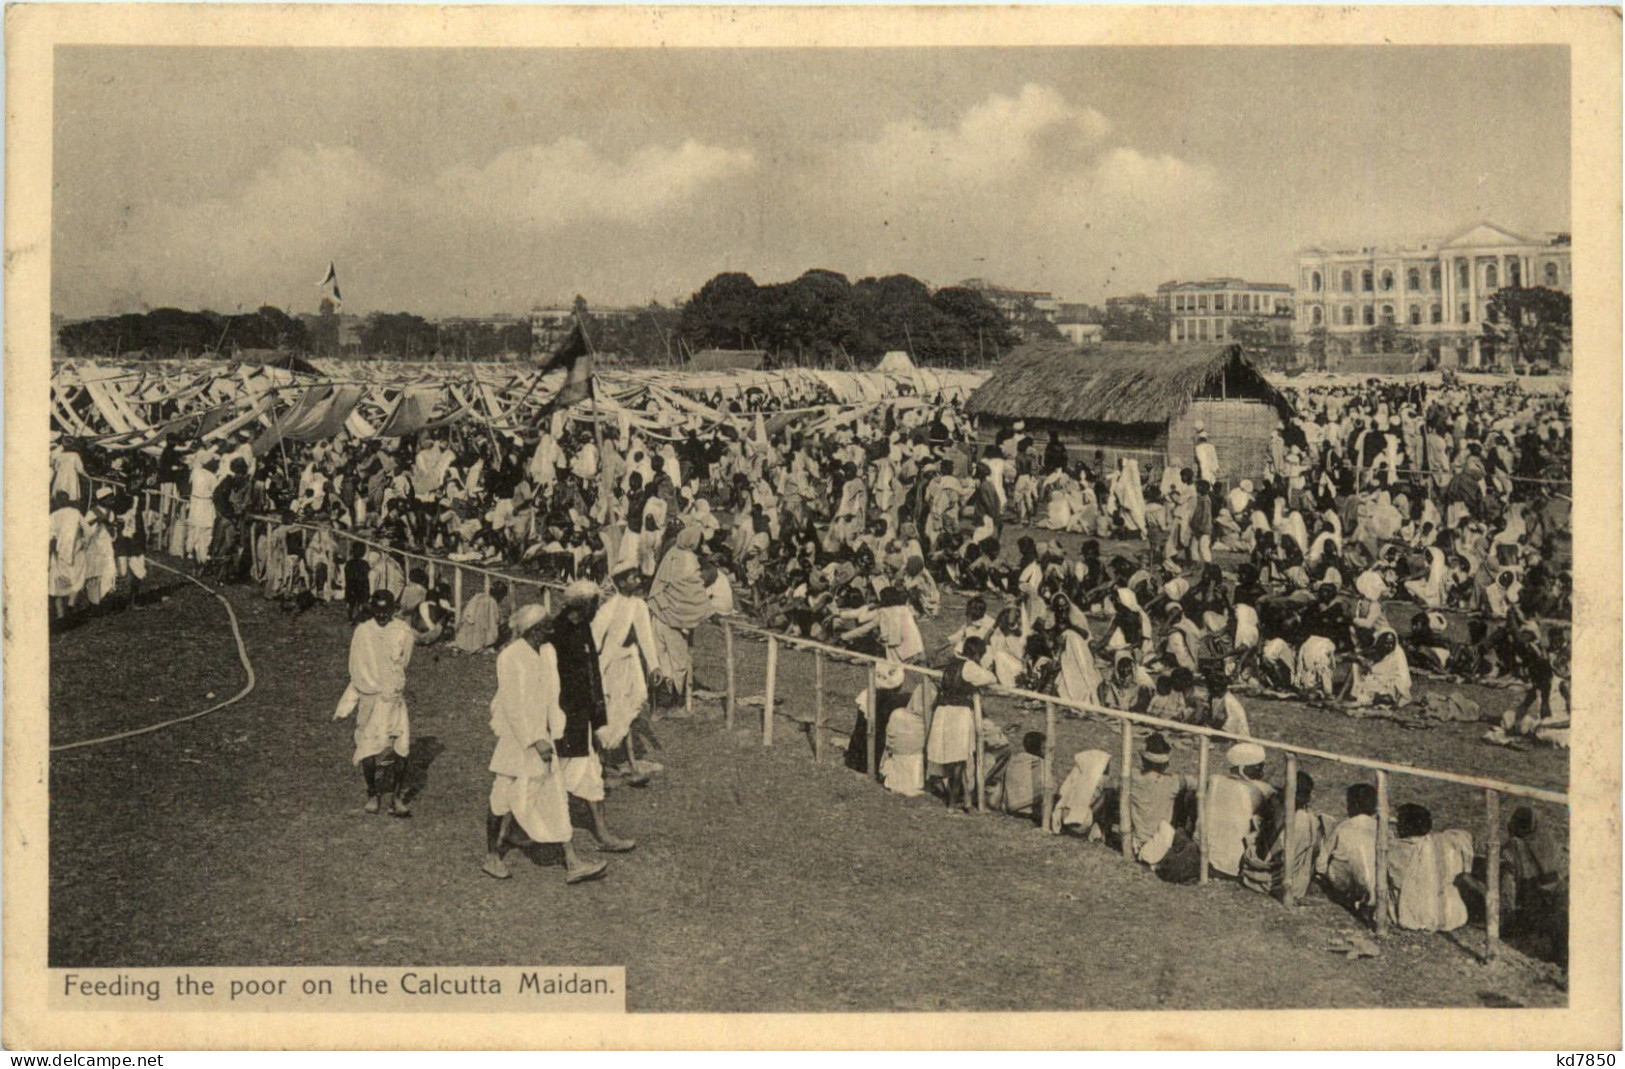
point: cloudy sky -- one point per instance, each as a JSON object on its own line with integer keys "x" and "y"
{"x": 470, "y": 181}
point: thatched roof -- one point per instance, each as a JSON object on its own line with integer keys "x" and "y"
{"x": 1116, "y": 382}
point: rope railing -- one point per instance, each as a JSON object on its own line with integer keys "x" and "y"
{"x": 822, "y": 652}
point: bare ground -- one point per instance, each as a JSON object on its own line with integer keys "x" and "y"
{"x": 762, "y": 881}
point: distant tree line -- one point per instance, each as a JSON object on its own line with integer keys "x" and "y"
{"x": 822, "y": 319}
{"x": 167, "y": 332}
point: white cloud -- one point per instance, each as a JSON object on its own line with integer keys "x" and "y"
{"x": 568, "y": 181}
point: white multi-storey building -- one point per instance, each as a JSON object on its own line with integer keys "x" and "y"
{"x": 1437, "y": 292}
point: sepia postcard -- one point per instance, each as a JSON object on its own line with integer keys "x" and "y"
{"x": 792, "y": 527}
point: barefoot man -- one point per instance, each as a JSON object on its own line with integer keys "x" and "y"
{"x": 581, "y": 695}
{"x": 627, "y": 658}
{"x": 527, "y": 787}
{"x": 380, "y": 648}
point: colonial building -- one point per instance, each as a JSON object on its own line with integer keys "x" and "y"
{"x": 1435, "y": 293}
{"x": 1208, "y": 310}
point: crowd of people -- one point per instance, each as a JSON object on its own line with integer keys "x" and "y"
{"x": 1396, "y": 531}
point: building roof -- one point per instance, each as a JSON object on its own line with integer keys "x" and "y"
{"x": 1224, "y": 284}
{"x": 722, "y": 359}
{"x": 1117, "y": 382}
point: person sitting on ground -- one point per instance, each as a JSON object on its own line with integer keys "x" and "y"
{"x": 1080, "y": 805}
{"x": 480, "y": 627}
{"x": 1232, "y": 802}
{"x": 1016, "y": 781}
{"x": 1224, "y": 709}
{"x": 1263, "y": 863}
{"x": 416, "y": 589}
{"x": 902, "y": 769}
{"x": 1348, "y": 861}
{"x": 1422, "y": 870}
{"x": 1154, "y": 797}
{"x": 1388, "y": 680}
{"x": 1534, "y": 886}
{"x": 1130, "y": 687}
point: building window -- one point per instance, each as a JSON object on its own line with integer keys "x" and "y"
{"x": 1492, "y": 278}
{"x": 1218, "y": 330}
{"x": 1551, "y": 273}
{"x": 1436, "y": 315}
{"x": 1201, "y": 303}
{"x": 1179, "y": 330}
{"x": 1314, "y": 315}
{"x": 1348, "y": 281}
{"x": 1314, "y": 281}
{"x": 1387, "y": 281}
{"x": 1348, "y": 315}
{"x": 1464, "y": 276}
{"x": 1515, "y": 273}
{"x": 1416, "y": 315}
{"x": 1413, "y": 280}
{"x": 1365, "y": 281}
{"x": 1201, "y": 329}
{"x": 1387, "y": 315}
{"x": 1435, "y": 280}
{"x": 1465, "y": 312}
{"x": 1218, "y": 302}
{"x": 1370, "y": 316}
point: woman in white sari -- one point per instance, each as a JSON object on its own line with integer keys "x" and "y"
{"x": 1079, "y": 680}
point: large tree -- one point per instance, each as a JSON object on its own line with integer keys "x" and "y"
{"x": 722, "y": 314}
{"x": 1137, "y": 318}
{"x": 1529, "y": 322}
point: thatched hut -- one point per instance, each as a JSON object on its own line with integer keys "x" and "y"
{"x": 1137, "y": 400}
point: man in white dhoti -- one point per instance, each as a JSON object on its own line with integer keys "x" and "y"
{"x": 67, "y": 554}
{"x": 527, "y": 787}
{"x": 628, "y": 658}
{"x": 200, "y": 510}
{"x": 380, "y": 648}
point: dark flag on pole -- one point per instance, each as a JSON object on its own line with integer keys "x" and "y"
{"x": 574, "y": 354}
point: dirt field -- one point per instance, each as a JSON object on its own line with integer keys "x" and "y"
{"x": 762, "y": 881}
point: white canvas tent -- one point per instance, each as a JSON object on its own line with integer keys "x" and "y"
{"x": 896, "y": 360}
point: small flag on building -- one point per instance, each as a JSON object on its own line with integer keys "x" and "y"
{"x": 574, "y": 354}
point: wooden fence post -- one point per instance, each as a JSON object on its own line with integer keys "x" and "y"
{"x": 1125, "y": 817}
{"x": 818, "y": 705}
{"x": 871, "y": 716}
{"x": 1379, "y": 893}
{"x": 981, "y": 783}
{"x": 1049, "y": 763}
{"x": 1492, "y": 875}
{"x": 688, "y": 689}
{"x": 772, "y": 685}
{"x": 1286, "y": 832}
{"x": 728, "y": 641}
{"x": 457, "y": 591}
{"x": 1201, "y": 805}
{"x": 547, "y": 600}
{"x": 487, "y": 582}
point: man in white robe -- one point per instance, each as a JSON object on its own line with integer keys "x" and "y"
{"x": 200, "y": 510}
{"x": 380, "y": 648}
{"x": 1232, "y": 802}
{"x": 67, "y": 554}
{"x": 628, "y": 657}
{"x": 527, "y": 787}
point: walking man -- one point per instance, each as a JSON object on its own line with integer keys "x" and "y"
{"x": 380, "y": 648}
{"x": 581, "y": 696}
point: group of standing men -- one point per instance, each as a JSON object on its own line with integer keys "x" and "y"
{"x": 570, "y": 685}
